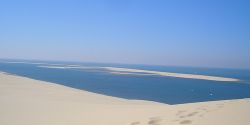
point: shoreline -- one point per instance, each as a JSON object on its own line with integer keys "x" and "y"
{"x": 25, "y": 101}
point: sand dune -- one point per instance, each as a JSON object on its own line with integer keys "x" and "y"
{"x": 25, "y": 101}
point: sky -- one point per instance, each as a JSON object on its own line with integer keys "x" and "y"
{"x": 199, "y": 33}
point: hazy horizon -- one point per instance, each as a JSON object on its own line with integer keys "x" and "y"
{"x": 169, "y": 33}
{"x": 17, "y": 60}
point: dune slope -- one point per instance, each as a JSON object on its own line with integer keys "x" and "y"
{"x": 25, "y": 101}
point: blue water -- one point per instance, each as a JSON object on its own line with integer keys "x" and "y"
{"x": 154, "y": 88}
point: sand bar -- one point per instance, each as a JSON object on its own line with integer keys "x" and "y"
{"x": 127, "y": 71}
{"x": 24, "y": 101}
{"x": 169, "y": 74}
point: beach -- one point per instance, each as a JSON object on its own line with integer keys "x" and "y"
{"x": 25, "y": 101}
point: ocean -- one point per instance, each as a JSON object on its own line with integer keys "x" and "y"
{"x": 169, "y": 90}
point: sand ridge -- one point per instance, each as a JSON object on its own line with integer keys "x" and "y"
{"x": 169, "y": 74}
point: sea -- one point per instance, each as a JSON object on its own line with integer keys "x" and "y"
{"x": 168, "y": 90}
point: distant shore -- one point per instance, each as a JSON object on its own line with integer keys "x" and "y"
{"x": 25, "y": 101}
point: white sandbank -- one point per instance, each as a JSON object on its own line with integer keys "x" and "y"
{"x": 169, "y": 74}
{"x": 24, "y": 101}
{"x": 127, "y": 71}
{"x": 67, "y": 67}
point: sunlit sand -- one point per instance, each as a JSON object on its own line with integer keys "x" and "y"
{"x": 178, "y": 75}
{"x": 24, "y": 101}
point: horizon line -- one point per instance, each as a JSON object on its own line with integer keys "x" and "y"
{"x": 118, "y": 63}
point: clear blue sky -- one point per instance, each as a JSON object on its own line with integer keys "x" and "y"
{"x": 207, "y": 33}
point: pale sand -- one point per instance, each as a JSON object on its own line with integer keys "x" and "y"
{"x": 178, "y": 75}
{"x": 25, "y": 101}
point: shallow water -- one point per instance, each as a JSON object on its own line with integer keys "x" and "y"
{"x": 168, "y": 90}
